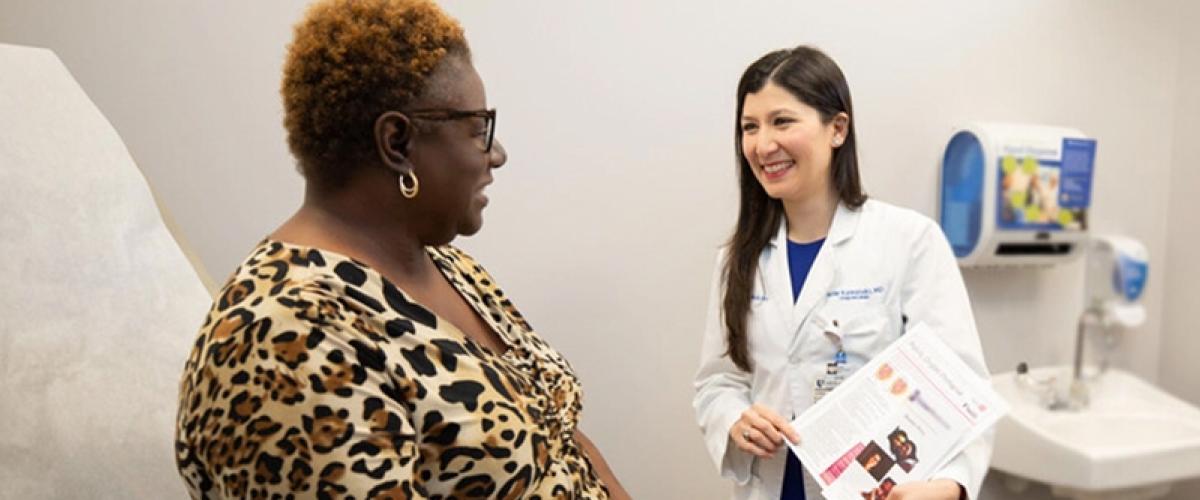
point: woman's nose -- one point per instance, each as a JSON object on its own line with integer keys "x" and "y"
{"x": 765, "y": 147}
{"x": 498, "y": 156}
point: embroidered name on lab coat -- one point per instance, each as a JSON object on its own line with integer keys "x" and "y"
{"x": 854, "y": 293}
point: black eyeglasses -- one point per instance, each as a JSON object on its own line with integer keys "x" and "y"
{"x": 488, "y": 115}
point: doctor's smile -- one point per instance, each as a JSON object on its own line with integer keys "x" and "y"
{"x": 777, "y": 170}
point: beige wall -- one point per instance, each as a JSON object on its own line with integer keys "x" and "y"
{"x": 617, "y": 117}
{"x": 1179, "y": 371}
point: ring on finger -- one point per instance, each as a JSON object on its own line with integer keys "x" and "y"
{"x": 746, "y": 434}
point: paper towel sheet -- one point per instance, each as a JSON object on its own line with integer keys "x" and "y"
{"x": 98, "y": 305}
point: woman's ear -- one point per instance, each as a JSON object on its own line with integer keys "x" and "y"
{"x": 841, "y": 128}
{"x": 393, "y": 131}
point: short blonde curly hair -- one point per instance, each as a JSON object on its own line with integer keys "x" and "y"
{"x": 350, "y": 61}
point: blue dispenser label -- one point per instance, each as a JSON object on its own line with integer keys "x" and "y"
{"x": 1047, "y": 192}
{"x": 1129, "y": 277}
{"x": 1075, "y": 189}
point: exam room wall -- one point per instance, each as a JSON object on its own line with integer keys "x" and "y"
{"x": 618, "y": 120}
{"x": 1179, "y": 371}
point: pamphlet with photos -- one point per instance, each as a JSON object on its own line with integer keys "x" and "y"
{"x": 899, "y": 418}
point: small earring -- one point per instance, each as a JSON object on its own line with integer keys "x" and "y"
{"x": 837, "y": 142}
{"x": 408, "y": 191}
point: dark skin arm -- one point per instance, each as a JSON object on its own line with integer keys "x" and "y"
{"x": 615, "y": 490}
{"x": 938, "y": 489}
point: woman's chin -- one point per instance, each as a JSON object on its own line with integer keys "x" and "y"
{"x": 471, "y": 225}
{"x": 777, "y": 192}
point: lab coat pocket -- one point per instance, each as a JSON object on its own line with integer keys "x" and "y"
{"x": 864, "y": 334}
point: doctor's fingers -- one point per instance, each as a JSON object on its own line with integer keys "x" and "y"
{"x": 781, "y": 425}
{"x": 764, "y": 427}
{"x": 753, "y": 442}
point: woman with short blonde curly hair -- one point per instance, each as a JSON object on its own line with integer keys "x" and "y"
{"x": 355, "y": 353}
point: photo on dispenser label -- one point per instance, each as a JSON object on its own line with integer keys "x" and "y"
{"x": 1031, "y": 196}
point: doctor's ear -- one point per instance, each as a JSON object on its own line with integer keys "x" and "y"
{"x": 841, "y": 128}
{"x": 393, "y": 133}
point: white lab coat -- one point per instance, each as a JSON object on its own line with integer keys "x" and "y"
{"x": 898, "y": 264}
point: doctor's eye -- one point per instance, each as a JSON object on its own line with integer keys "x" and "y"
{"x": 749, "y": 127}
{"x": 783, "y": 121}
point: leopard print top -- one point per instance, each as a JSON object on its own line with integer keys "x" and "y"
{"x": 314, "y": 377}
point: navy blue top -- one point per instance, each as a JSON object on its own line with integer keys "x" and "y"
{"x": 800, "y": 261}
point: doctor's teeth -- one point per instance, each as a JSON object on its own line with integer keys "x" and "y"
{"x": 776, "y": 167}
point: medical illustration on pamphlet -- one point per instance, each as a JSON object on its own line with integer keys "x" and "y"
{"x": 900, "y": 418}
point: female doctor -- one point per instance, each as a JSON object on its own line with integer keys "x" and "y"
{"x": 815, "y": 281}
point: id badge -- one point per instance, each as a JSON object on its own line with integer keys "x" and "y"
{"x": 835, "y": 373}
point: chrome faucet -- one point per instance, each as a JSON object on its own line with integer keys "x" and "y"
{"x": 1077, "y": 396}
{"x": 1115, "y": 276}
{"x": 1049, "y": 393}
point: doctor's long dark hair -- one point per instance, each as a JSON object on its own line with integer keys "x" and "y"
{"x": 814, "y": 79}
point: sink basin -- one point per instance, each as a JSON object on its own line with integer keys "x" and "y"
{"x": 1131, "y": 435}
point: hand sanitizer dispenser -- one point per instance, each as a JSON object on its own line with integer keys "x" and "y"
{"x": 1016, "y": 194}
{"x": 1117, "y": 267}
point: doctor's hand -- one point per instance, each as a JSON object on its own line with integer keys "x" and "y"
{"x": 760, "y": 431}
{"x": 937, "y": 489}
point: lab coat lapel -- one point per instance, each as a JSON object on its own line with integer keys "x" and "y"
{"x": 825, "y": 268}
{"x": 777, "y": 281}
{"x": 820, "y": 278}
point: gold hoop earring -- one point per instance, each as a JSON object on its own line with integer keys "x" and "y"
{"x": 408, "y": 191}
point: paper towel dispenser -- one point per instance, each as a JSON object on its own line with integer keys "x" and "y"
{"x": 1016, "y": 194}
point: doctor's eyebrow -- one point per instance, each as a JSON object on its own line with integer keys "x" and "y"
{"x": 775, "y": 113}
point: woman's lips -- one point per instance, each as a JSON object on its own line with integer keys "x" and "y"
{"x": 776, "y": 170}
{"x": 480, "y": 196}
